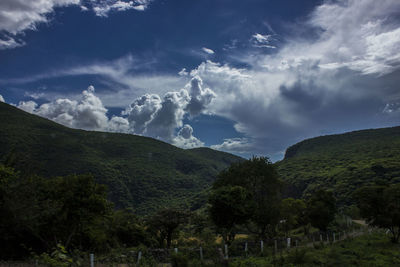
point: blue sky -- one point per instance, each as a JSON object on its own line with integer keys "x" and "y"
{"x": 248, "y": 77}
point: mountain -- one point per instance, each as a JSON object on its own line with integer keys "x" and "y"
{"x": 342, "y": 162}
{"x": 140, "y": 172}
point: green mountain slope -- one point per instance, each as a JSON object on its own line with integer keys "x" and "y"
{"x": 140, "y": 172}
{"x": 342, "y": 162}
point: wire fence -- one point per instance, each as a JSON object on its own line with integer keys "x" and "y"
{"x": 214, "y": 254}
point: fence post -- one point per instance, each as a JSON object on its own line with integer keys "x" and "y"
{"x": 139, "y": 257}
{"x": 320, "y": 237}
{"x": 288, "y": 242}
{"x": 327, "y": 237}
{"x": 276, "y": 246}
{"x": 201, "y": 253}
{"x": 91, "y": 260}
{"x": 245, "y": 248}
{"x": 262, "y": 246}
{"x": 334, "y": 238}
{"x": 226, "y": 251}
{"x": 176, "y": 250}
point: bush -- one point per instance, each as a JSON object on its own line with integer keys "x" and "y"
{"x": 179, "y": 260}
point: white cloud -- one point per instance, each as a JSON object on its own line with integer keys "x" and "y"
{"x": 148, "y": 115}
{"x": 208, "y": 50}
{"x": 9, "y": 43}
{"x": 103, "y": 7}
{"x": 183, "y": 72}
{"x": 260, "y": 40}
{"x": 158, "y": 117}
{"x": 235, "y": 145}
{"x": 2, "y": 99}
{"x": 28, "y": 106}
{"x": 391, "y": 108}
{"x": 200, "y": 98}
{"x": 185, "y": 138}
{"x": 88, "y": 113}
{"x": 17, "y": 16}
{"x": 337, "y": 81}
{"x": 142, "y": 111}
{"x": 119, "y": 75}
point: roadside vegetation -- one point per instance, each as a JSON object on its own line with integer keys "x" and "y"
{"x": 247, "y": 221}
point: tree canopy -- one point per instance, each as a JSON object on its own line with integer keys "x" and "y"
{"x": 380, "y": 206}
{"x": 260, "y": 193}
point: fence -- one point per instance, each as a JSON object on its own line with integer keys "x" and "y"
{"x": 213, "y": 253}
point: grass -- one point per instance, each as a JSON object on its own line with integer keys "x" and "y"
{"x": 367, "y": 250}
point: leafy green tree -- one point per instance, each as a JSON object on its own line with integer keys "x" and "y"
{"x": 165, "y": 223}
{"x": 260, "y": 178}
{"x": 230, "y": 206}
{"x": 78, "y": 203}
{"x": 42, "y": 213}
{"x": 293, "y": 213}
{"x": 321, "y": 209}
{"x": 380, "y": 206}
{"x": 127, "y": 229}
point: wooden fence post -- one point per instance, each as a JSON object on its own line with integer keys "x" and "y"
{"x": 91, "y": 260}
{"x": 139, "y": 257}
{"x": 201, "y": 253}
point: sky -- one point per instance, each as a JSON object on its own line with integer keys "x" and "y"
{"x": 246, "y": 77}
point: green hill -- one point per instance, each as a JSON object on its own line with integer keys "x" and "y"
{"x": 342, "y": 162}
{"x": 140, "y": 172}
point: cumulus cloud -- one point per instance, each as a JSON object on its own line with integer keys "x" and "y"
{"x": 17, "y": 16}
{"x": 158, "y": 117}
{"x": 149, "y": 115}
{"x": 88, "y": 113}
{"x": 142, "y": 111}
{"x": 200, "y": 98}
{"x": 338, "y": 81}
{"x": 208, "y": 50}
{"x": 185, "y": 138}
{"x": 2, "y": 99}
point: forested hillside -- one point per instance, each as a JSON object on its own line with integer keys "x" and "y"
{"x": 342, "y": 162}
{"x": 140, "y": 172}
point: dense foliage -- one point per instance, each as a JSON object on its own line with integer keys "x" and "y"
{"x": 254, "y": 188}
{"x": 380, "y": 205}
{"x": 37, "y": 213}
{"x": 342, "y": 163}
{"x": 142, "y": 173}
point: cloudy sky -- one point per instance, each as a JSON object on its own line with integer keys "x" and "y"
{"x": 248, "y": 77}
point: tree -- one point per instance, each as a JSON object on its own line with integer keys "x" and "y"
{"x": 127, "y": 229}
{"x": 166, "y": 221}
{"x": 293, "y": 213}
{"x": 380, "y": 206}
{"x": 321, "y": 209}
{"x": 260, "y": 178}
{"x": 42, "y": 213}
{"x": 230, "y": 206}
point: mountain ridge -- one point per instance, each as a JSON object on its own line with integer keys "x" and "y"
{"x": 342, "y": 162}
{"x": 141, "y": 172}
